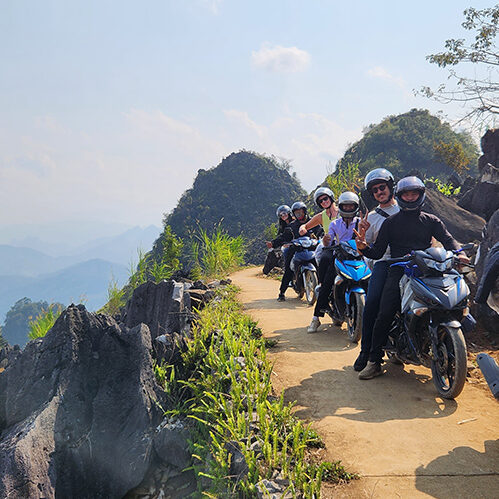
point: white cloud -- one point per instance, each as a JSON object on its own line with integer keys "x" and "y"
{"x": 243, "y": 118}
{"x": 280, "y": 59}
{"x": 212, "y": 5}
{"x": 381, "y": 73}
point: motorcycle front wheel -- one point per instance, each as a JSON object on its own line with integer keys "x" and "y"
{"x": 354, "y": 320}
{"x": 450, "y": 367}
{"x": 310, "y": 282}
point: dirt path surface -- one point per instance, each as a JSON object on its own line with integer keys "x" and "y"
{"x": 403, "y": 439}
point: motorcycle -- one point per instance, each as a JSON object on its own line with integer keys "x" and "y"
{"x": 304, "y": 269}
{"x": 428, "y": 330}
{"x": 350, "y": 288}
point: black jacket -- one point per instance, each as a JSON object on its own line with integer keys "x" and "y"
{"x": 407, "y": 231}
{"x": 489, "y": 276}
{"x": 292, "y": 232}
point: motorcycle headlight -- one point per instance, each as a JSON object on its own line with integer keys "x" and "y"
{"x": 440, "y": 266}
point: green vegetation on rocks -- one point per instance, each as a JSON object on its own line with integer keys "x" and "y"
{"x": 41, "y": 325}
{"x": 410, "y": 142}
{"x": 224, "y": 387}
{"x": 242, "y": 194}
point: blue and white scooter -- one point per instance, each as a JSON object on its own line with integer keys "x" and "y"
{"x": 350, "y": 288}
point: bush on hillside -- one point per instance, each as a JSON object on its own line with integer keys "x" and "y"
{"x": 413, "y": 141}
{"x": 41, "y": 325}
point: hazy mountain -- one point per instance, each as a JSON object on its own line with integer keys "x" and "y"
{"x": 85, "y": 282}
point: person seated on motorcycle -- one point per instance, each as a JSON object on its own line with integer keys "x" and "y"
{"x": 409, "y": 229}
{"x": 324, "y": 199}
{"x": 379, "y": 183}
{"x": 291, "y": 232}
{"x": 285, "y": 217}
{"x": 340, "y": 229}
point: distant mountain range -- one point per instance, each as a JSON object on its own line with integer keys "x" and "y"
{"x": 84, "y": 270}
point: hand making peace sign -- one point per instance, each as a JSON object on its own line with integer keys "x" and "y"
{"x": 361, "y": 234}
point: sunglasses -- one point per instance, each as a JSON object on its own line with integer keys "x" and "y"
{"x": 321, "y": 200}
{"x": 379, "y": 188}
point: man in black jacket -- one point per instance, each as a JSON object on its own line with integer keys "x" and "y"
{"x": 292, "y": 231}
{"x": 409, "y": 229}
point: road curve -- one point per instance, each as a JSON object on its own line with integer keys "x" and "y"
{"x": 403, "y": 439}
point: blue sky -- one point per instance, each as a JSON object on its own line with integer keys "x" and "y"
{"x": 109, "y": 108}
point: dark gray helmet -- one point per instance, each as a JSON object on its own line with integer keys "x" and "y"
{"x": 379, "y": 175}
{"x": 348, "y": 198}
{"x": 410, "y": 184}
{"x": 284, "y": 208}
{"x": 297, "y": 206}
{"x": 323, "y": 191}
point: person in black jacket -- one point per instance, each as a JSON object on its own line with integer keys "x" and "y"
{"x": 292, "y": 231}
{"x": 409, "y": 229}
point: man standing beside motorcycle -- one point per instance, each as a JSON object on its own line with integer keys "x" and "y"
{"x": 340, "y": 229}
{"x": 292, "y": 231}
{"x": 380, "y": 184}
{"x": 409, "y": 229}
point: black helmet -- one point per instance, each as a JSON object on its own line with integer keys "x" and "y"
{"x": 348, "y": 198}
{"x": 284, "y": 208}
{"x": 299, "y": 205}
{"x": 410, "y": 184}
{"x": 323, "y": 191}
{"x": 377, "y": 176}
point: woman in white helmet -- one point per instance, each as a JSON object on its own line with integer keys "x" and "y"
{"x": 340, "y": 229}
{"x": 324, "y": 199}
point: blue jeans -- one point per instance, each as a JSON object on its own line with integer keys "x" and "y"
{"x": 373, "y": 298}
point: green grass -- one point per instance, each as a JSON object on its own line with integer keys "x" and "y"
{"x": 224, "y": 387}
{"x": 218, "y": 254}
{"x": 40, "y": 326}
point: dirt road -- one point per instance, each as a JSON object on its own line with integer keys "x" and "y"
{"x": 394, "y": 430}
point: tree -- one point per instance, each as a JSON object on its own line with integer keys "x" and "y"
{"x": 16, "y": 324}
{"x": 480, "y": 93}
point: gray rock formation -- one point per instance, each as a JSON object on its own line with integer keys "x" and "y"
{"x": 483, "y": 199}
{"x": 78, "y": 410}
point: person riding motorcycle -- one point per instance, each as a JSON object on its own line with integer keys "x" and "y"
{"x": 292, "y": 231}
{"x": 380, "y": 184}
{"x": 324, "y": 199}
{"x": 409, "y": 229}
{"x": 340, "y": 229}
{"x": 285, "y": 217}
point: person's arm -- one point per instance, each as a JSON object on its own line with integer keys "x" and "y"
{"x": 285, "y": 237}
{"x": 440, "y": 233}
{"x": 313, "y": 222}
{"x": 378, "y": 249}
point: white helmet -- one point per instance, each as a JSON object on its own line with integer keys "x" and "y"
{"x": 323, "y": 191}
{"x": 348, "y": 198}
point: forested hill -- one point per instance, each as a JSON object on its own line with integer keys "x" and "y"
{"x": 412, "y": 141}
{"x": 242, "y": 193}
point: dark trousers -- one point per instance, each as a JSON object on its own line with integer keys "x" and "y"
{"x": 388, "y": 306}
{"x": 325, "y": 261}
{"x": 326, "y": 285}
{"x": 374, "y": 291}
{"x": 288, "y": 254}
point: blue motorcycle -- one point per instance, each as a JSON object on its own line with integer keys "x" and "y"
{"x": 304, "y": 268}
{"x": 350, "y": 288}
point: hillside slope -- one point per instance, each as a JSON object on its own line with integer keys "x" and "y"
{"x": 242, "y": 193}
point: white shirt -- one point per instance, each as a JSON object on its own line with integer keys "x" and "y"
{"x": 376, "y": 220}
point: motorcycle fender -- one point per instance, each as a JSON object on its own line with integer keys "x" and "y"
{"x": 308, "y": 266}
{"x": 357, "y": 289}
{"x": 455, "y": 324}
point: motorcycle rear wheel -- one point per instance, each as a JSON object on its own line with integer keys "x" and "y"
{"x": 310, "y": 279}
{"x": 354, "y": 322}
{"x": 450, "y": 369}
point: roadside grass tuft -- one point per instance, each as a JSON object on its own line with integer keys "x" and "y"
{"x": 224, "y": 387}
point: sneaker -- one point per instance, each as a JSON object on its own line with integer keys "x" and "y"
{"x": 372, "y": 370}
{"x": 361, "y": 361}
{"x": 314, "y": 326}
{"x": 281, "y": 297}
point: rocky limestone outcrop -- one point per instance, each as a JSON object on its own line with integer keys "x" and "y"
{"x": 483, "y": 199}
{"x": 81, "y": 414}
{"x": 78, "y": 409}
